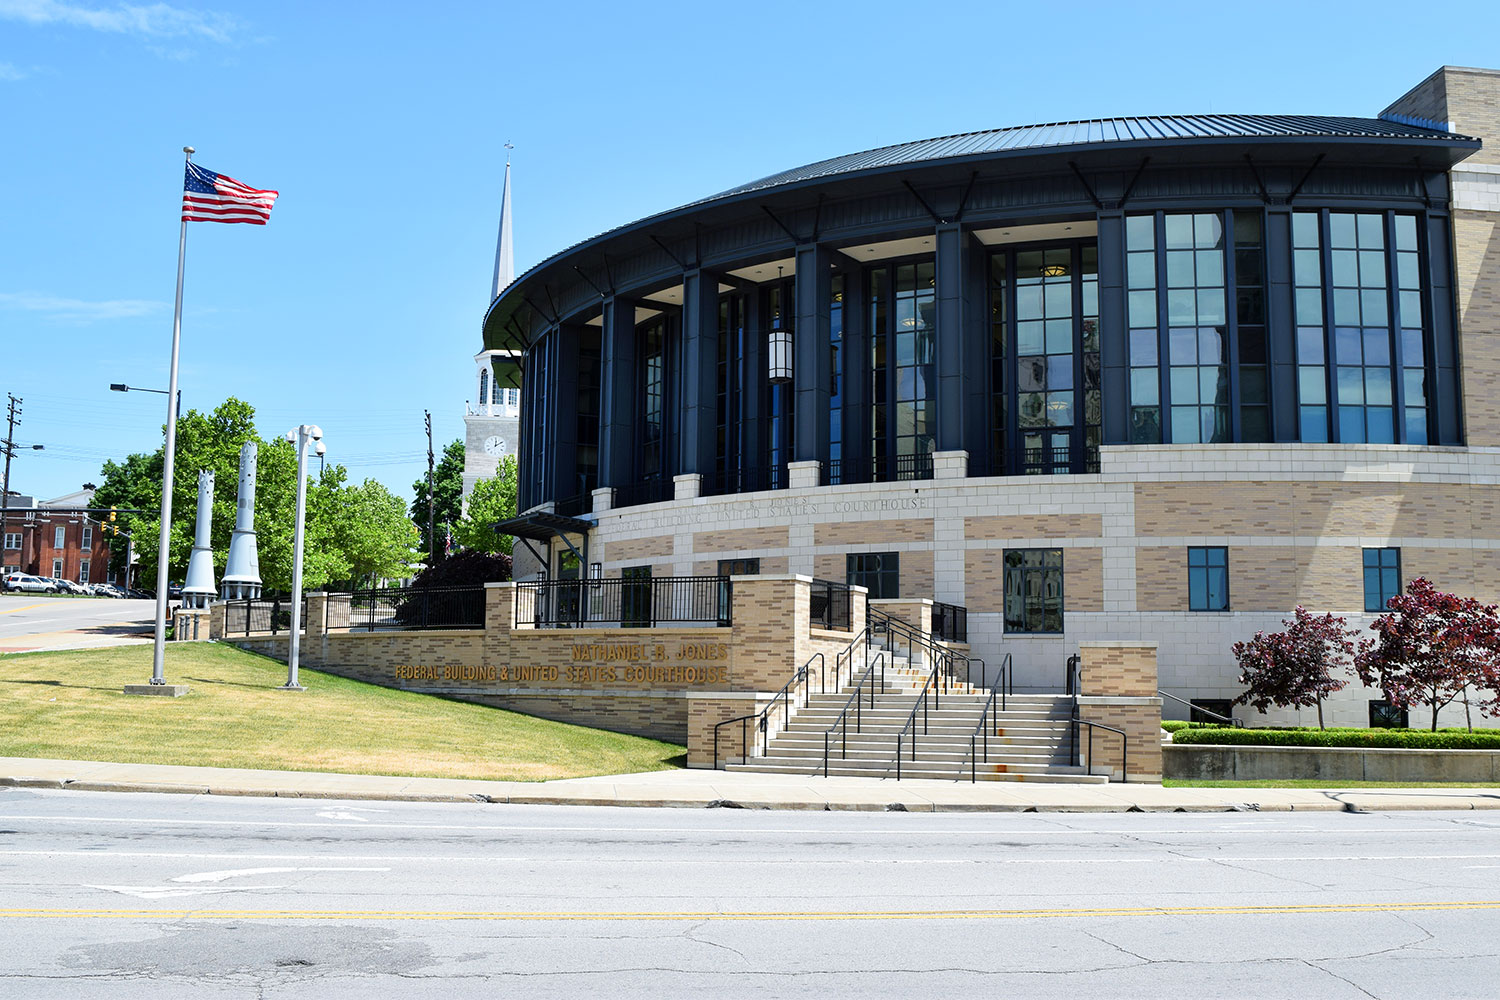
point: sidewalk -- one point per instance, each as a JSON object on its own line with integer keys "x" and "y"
{"x": 705, "y": 788}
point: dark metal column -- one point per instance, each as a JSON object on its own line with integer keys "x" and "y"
{"x": 563, "y": 418}
{"x": 700, "y": 372}
{"x": 856, "y": 448}
{"x": 753, "y": 393}
{"x": 812, "y": 362}
{"x": 1114, "y": 330}
{"x": 952, "y": 317}
{"x": 1281, "y": 325}
{"x": 617, "y": 394}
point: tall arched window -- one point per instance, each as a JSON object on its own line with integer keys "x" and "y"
{"x": 484, "y": 386}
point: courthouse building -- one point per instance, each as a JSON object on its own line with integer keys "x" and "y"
{"x": 1159, "y": 378}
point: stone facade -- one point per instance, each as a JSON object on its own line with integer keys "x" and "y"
{"x": 633, "y": 680}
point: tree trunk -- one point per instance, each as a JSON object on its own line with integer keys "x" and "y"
{"x": 1320, "y": 711}
{"x": 1468, "y": 716}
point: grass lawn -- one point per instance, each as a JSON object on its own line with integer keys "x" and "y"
{"x": 1319, "y": 783}
{"x": 71, "y": 705}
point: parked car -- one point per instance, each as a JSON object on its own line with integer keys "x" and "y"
{"x": 107, "y": 590}
{"x": 71, "y": 587}
{"x": 27, "y": 584}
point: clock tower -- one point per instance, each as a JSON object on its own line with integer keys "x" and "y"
{"x": 492, "y": 421}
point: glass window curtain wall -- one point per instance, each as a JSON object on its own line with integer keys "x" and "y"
{"x": 1198, "y": 368}
{"x": 1362, "y": 336}
{"x": 903, "y": 369}
{"x": 1044, "y": 313}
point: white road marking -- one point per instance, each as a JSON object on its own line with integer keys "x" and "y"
{"x": 341, "y": 814}
{"x": 575, "y": 860}
{"x": 176, "y": 891}
{"x": 172, "y": 892}
{"x": 220, "y": 876}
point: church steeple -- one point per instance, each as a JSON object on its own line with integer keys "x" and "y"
{"x": 504, "y": 264}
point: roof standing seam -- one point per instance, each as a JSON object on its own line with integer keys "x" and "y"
{"x": 1101, "y": 131}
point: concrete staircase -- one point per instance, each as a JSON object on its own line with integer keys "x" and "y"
{"x": 1028, "y": 740}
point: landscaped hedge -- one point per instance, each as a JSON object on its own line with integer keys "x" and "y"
{"x": 1401, "y": 739}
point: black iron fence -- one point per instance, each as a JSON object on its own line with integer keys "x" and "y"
{"x": 262, "y": 614}
{"x": 1057, "y": 461}
{"x": 902, "y": 467}
{"x": 950, "y": 621}
{"x": 573, "y": 506}
{"x": 745, "y": 479}
{"x": 652, "y": 490}
{"x": 406, "y": 609}
{"x": 830, "y": 606}
{"x": 625, "y": 602}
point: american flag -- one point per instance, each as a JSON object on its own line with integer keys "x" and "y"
{"x": 211, "y": 197}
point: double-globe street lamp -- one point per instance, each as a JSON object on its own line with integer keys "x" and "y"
{"x": 299, "y": 436}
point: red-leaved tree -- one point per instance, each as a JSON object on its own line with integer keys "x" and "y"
{"x": 1431, "y": 648}
{"x": 1295, "y": 668}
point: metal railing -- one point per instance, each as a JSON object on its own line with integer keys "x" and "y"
{"x": 1124, "y": 746}
{"x": 871, "y": 677}
{"x": 833, "y": 472}
{"x": 1233, "y": 723}
{"x": 950, "y": 621}
{"x": 746, "y": 479}
{"x": 406, "y": 609}
{"x": 573, "y": 506}
{"x": 930, "y": 690}
{"x": 1056, "y": 461}
{"x": 652, "y": 490}
{"x": 262, "y": 614}
{"x": 802, "y": 675}
{"x": 1075, "y": 689}
{"x": 830, "y": 606}
{"x": 626, "y": 602}
{"x": 982, "y": 731}
{"x": 888, "y": 469}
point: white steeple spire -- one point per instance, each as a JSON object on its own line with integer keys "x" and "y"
{"x": 505, "y": 271}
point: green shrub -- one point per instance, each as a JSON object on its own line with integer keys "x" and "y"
{"x": 1173, "y": 725}
{"x": 1404, "y": 739}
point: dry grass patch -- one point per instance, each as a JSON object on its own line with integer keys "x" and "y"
{"x": 71, "y": 705}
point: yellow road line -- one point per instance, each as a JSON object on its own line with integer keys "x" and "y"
{"x": 807, "y": 915}
{"x": 24, "y": 607}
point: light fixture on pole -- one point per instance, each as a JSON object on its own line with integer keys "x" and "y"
{"x": 779, "y": 353}
{"x": 122, "y": 387}
{"x": 299, "y": 436}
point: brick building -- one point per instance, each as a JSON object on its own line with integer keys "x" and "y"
{"x": 1157, "y": 379}
{"x": 55, "y": 538}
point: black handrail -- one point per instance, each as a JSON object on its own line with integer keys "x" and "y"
{"x": 928, "y": 686}
{"x": 857, "y": 704}
{"x": 984, "y": 729}
{"x": 1233, "y": 723}
{"x": 1124, "y": 746}
{"x": 802, "y": 673}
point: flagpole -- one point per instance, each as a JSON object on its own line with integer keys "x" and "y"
{"x": 163, "y": 552}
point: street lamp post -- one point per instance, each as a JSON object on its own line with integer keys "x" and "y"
{"x": 299, "y": 436}
{"x": 122, "y": 387}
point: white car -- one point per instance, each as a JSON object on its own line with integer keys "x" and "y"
{"x": 26, "y": 583}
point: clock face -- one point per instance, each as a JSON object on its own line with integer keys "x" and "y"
{"x": 494, "y": 445}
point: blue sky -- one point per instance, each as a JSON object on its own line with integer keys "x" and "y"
{"x": 383, "y": 127}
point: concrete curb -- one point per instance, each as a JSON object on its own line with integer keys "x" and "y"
{"x": 712, "y": 790}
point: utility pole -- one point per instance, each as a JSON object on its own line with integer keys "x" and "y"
{"x": 431, "y": 523}
{"x": 13, "y": 417}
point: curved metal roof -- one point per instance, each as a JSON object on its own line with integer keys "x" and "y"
{"x": 1096, "y": 131}
{"x": 1099, "y": 133}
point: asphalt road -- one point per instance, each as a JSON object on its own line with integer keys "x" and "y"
{"x": 41, "y": 621}
{"x": 157, "y": 896}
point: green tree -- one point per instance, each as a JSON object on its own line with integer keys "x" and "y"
{"x": 447, "y": 491}
{"x": 491, "y": 500}
{"x": 352, "y": 532}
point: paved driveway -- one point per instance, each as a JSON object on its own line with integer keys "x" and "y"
{"x": 31, "y": 622}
